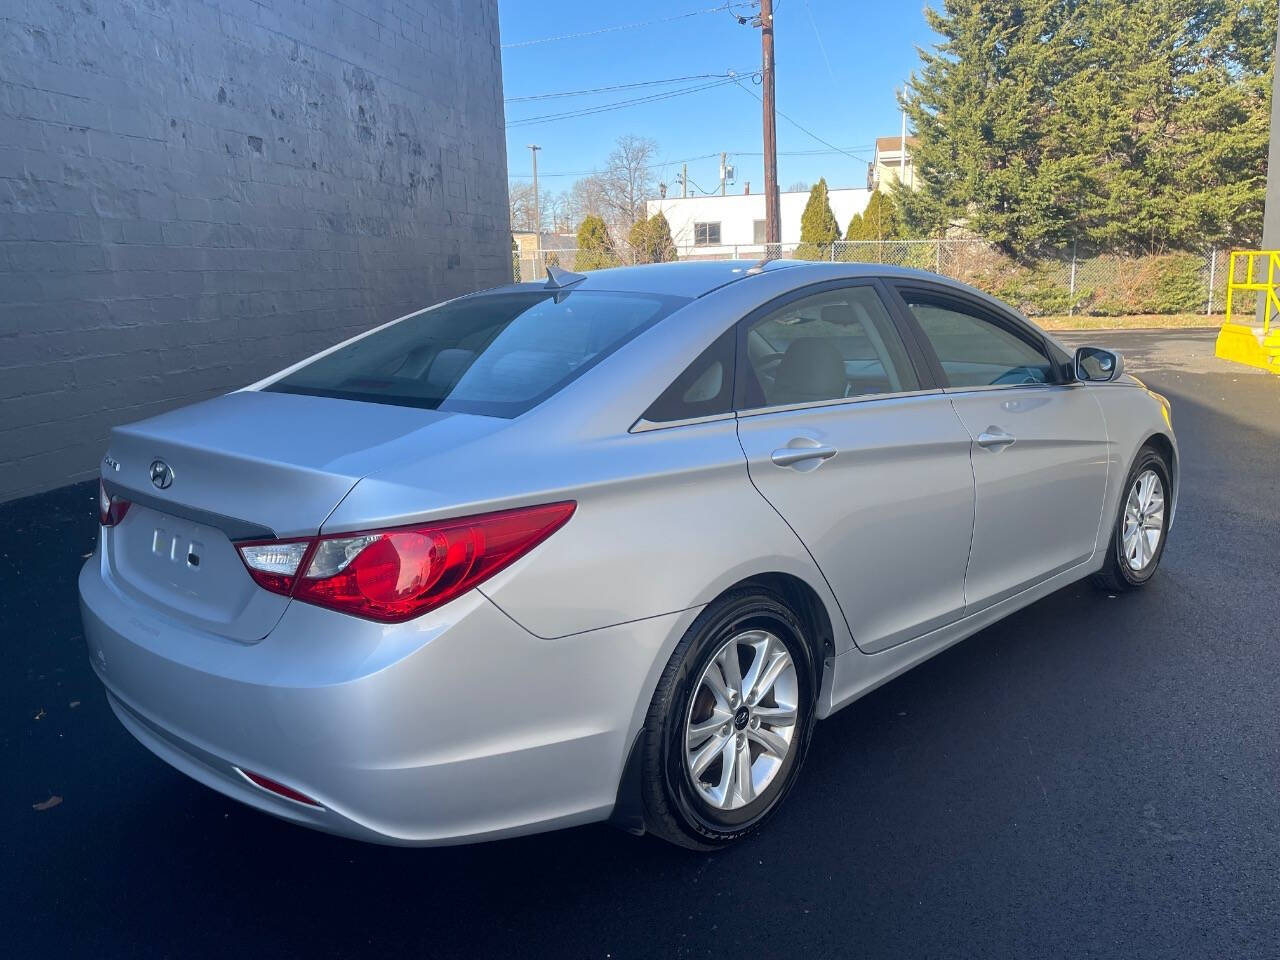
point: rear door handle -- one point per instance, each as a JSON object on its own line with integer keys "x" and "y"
{"x": 804, "y": 449}
{"x": 993, "y": 438}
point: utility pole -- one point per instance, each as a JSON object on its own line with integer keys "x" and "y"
{"x": 902, "y": 145}
{"x": 1271, "y": 208}
{"x": 723, "y": 171}
{"x": 684, "y": 180}
{"x": 537, "y": 208}
{"x": 772, "y": 227}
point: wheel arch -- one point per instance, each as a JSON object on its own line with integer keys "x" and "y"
{"x": 1163, "y": 444}
{"x": 804, "y": 600}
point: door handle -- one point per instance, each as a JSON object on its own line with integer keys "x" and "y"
{"x": 993, "y": 438}
{"x": 789, "y": 456}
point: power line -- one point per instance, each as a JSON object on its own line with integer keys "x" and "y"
{"x": 588, "y": 173}
{"x": 624, "y": 26}
{"x": 705, "y": 156}
{"x": 616, "y": 86}
{"x": 619, "y": 104}
{"x": 805, "y": 130}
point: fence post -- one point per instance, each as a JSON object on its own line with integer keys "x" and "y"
{"x": 937, "y": 256}
{"x": 1213, "y": 267}
{"x": 833, "y": 252}
{"x": 1071, "y": 305}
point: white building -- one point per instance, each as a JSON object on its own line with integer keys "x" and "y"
{"x": 733, "y": 225}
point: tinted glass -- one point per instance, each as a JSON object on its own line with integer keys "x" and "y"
{"x": 840, "y": 343}
{"x": 704, "y": 389}
{"x": 495, "y": 354}
{"x": 975, "y": 351}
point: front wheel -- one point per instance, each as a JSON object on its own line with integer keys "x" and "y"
{"x": 1138, "y": 538}
{"x": 729, "y": 723}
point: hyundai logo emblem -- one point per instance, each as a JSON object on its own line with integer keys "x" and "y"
{"x": 161, "y": 474}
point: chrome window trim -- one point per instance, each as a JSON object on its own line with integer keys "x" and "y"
{"x": 1002, "y": 386}
{"x": 644, "y": 426}
{"x": 840, "y": 401}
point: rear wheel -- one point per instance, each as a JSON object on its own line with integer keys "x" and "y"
{"x": 729, "y": 723}
{"x": 1138, "y": 537}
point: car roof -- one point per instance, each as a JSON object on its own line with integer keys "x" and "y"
{"x": 685, "y": 278}
{"x": 696, "y": 278}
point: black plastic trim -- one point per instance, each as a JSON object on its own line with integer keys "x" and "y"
{"x": 628, "y": 808}
{"x": 233, "y": 528}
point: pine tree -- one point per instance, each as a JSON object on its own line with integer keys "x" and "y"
{"x": 663, "y": 247}
{"x": 879, "y": 221}
{"x": 638, "y": 240}
{"x": 1133, "y": 125}
{"x": 595, "y": 248}
{"x": 650, "y": 240}
{"x": 818, "y": 227}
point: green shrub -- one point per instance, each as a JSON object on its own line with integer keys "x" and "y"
{"x": 595, "y": 246}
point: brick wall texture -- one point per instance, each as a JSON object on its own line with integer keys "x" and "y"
{"x": 194, "y": 193}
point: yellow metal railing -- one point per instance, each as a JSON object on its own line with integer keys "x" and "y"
{"x": 1265, "y": 287}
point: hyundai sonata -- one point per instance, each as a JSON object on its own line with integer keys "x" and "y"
{"x": 604, "y": 547}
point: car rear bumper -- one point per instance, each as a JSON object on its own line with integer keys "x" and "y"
{"x": 454, "y": 727}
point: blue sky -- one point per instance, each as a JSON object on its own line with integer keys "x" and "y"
{"x": 841, "y": 89}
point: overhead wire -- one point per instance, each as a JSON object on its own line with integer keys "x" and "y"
{"x": 612, "y": 87}
{"x": 619, "y": 104}
{"x": 802, "y": 128}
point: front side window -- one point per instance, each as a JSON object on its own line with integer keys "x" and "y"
{"x": 976, "y": 351}
{"x": 706, "y": 234}
{"x": 831, "y": 345}
{"x": 494, "y": 354}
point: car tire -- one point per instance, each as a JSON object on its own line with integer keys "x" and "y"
{"x": 688, "y": 809}
{"x": 1120, "y": 572}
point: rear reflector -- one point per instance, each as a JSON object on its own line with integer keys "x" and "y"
{"x": 111, "y": 510}
{"x": 396, "y": 574}
{"x": 271, "y": 786}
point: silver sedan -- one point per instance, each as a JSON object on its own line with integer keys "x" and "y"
{"x": 603, "y": 548}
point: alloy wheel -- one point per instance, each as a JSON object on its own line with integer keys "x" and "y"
{"x": 742, "y": 719}
{"x": 1143, "y": 520}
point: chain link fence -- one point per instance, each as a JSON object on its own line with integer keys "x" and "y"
{"x": 1063, "y": 283}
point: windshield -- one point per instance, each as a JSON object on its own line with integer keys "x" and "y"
{"x": 495, "y": 354}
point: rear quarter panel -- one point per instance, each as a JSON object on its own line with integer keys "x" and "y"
{"x": 667, "y": 518}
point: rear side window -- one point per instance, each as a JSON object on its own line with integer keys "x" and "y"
{"x": 494, "y": 354}
{"x": 976, "y": 351}
{"x": 704, "y": 389}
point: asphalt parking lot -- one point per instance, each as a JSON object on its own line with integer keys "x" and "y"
{"x": 1094, "y": 776}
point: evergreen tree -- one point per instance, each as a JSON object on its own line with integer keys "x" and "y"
{"x": 818, "y": 227}
{"x": 663, "y": 247}
{"x": 879, "y": 221}
{"x": 1127, "y": 124}
{"x": 651, "y": 241}
{"x": 595, "y": 248}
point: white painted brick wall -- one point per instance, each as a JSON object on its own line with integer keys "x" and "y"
{"x": 193, "y": 194}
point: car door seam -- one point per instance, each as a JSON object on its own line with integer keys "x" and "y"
{"x": 1106, "y": 486}
{"x": 973, "y": 520}
{"x": 799, "y": 539}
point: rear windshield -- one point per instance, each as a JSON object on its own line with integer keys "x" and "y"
{"x": 494, "y": 354}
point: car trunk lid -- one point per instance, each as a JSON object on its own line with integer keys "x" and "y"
{"x": 242, "y": 467}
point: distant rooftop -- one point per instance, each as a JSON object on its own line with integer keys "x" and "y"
{"x": 894, "y": 143}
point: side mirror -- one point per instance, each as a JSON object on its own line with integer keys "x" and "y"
{"x": 1093, "y": 364}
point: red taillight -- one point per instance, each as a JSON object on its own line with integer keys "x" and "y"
{"x": 396, "y": 574}
{"x": 111, "y": 510}
{"x": 266, "y": 783}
